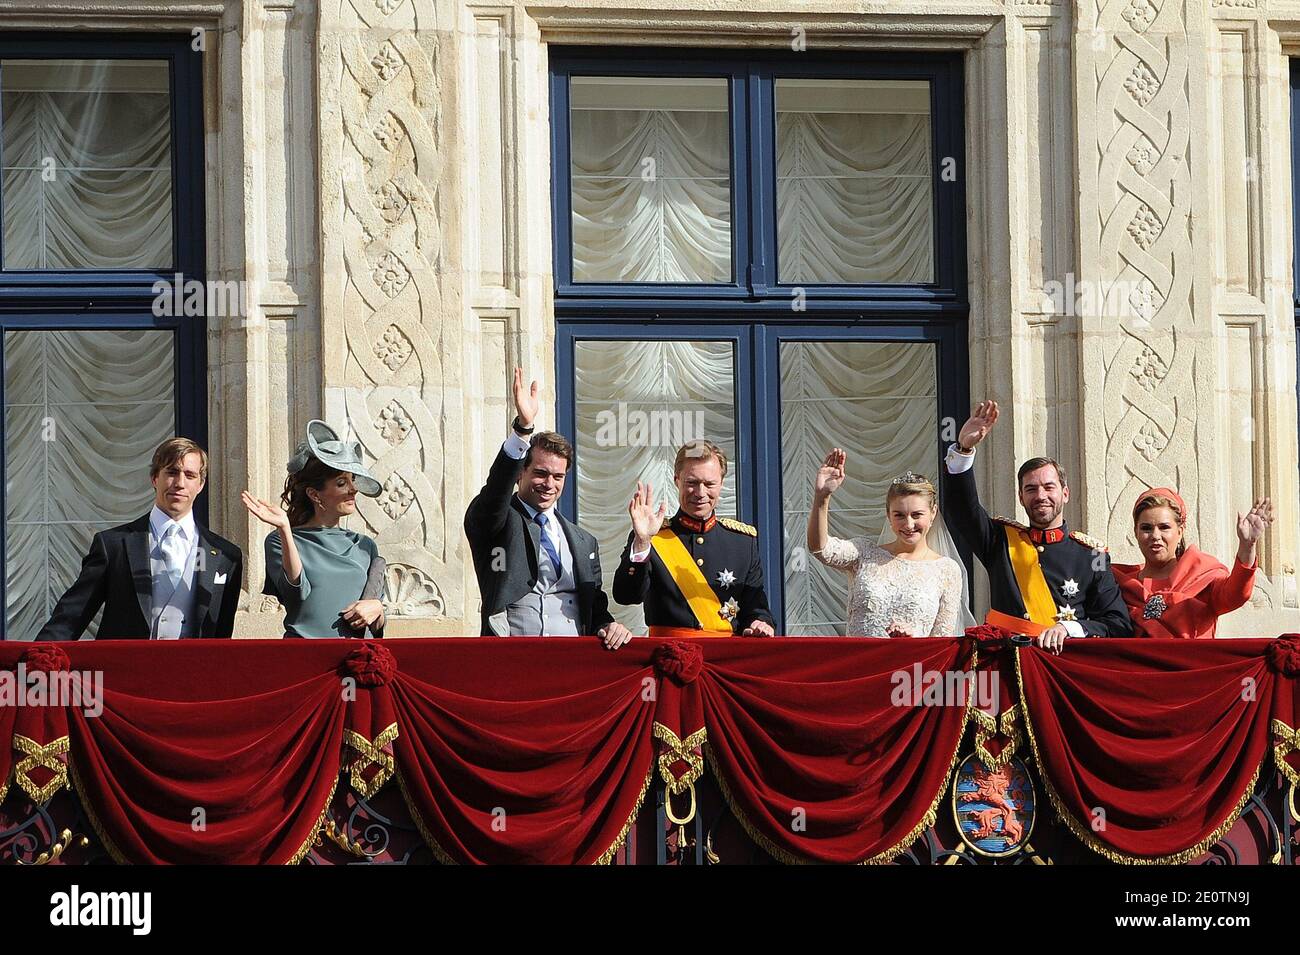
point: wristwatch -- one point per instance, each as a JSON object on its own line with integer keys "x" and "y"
{"x": 520, "y": 429}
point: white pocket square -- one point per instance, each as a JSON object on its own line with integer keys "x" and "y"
{"x": 219, "y": 579}
{"x": 591, "y": 556}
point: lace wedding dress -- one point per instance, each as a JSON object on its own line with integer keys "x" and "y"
{"x": 890, "y": 595}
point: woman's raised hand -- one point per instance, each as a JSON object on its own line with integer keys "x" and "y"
{"x": 1251, "y": 527}
{"x": 831, "y": 474}
{"x": 264, "y": 511}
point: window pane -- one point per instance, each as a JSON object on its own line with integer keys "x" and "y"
{"x": 637, "y": 403}
{"x": 87, "y": 181}
{"x": 651, "y": 177}
{"x": 877, "y": 401}
{"x": 84, "y": 411}
{"x": 853, "y": 190}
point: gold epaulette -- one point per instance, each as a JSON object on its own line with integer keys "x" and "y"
{"x": 1008, "y": 521}
{"x": 1089, "y": 541}
{"x": 737, "y": 526}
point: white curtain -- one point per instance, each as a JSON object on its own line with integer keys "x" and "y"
{"x": 87, "y": 180}
{"x": 84, "y": 411}
{"x": 652, "y": 186}
{"x": 877, "y": 401}
{"x": 651, "y": 196}
{"x": 637, "y": 402}
{"x": 853, "y": 198}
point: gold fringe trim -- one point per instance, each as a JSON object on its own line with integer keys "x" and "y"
{"x": 607, "y": 857}
{"x": 439, "y": 853}
{"x": 314, "y": 837}
{"x": 1006, "y": 724}
{"x": 44, "y": 757}
{"x": 884, "y": 857}
{"x": 1287, "y": 741}
{"x": 766, "y": 844}
{"x": 117, "y": 856}
{"x": 109, "y": 846}
{"x": 683, "y": 750}
{"x": 370, "y": 754}
{"x": 1086, "y": 836}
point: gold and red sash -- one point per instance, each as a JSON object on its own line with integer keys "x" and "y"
{"x": 690, "y": 580}
{"x": 1034, "y": 592}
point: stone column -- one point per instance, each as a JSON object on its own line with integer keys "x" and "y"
{"x": 391, "y": 351}
{"x": 1184, "y": 351}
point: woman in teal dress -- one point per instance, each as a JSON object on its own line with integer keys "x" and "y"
{"x": 329, "y": 579}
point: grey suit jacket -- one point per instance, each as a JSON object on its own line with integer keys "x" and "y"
{"x": 505, "y": 543}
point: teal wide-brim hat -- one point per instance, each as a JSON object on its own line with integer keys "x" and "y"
{"x": 324, "y": 444}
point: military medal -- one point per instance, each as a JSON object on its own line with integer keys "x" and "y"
{"x": 729, "y": 610}
{"x": 1064, "y": 613}
{"x": 1070, "y": 588}
{"x": 1155, "y": 607}
{"x": 726, "y": 578}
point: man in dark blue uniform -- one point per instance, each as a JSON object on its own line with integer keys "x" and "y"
{"x": 1045, "y": 580}
{"x": 698, "y": 575}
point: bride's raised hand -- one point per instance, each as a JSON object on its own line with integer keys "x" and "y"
{"x": 831, "y": 474}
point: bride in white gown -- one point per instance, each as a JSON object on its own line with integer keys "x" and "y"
{"x": 903, "y": 588}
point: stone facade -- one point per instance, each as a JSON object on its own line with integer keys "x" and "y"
{"x": 380, "y": 170}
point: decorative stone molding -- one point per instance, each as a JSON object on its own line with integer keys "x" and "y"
{"x": 388, "y": 331}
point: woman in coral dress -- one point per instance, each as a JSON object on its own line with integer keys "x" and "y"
{"x": 1178, "y": 590}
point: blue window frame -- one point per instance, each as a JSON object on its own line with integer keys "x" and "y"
{"x": 753, "y": 311}
{"x": 96, "y": 299}
{"x": 751, "y": 84}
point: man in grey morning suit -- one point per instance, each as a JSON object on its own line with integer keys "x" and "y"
{"x": 538, "y": 573}
{"x": 161, "y": 577}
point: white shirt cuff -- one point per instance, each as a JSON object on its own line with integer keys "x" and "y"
{"x": 515, "y": 446}
{"x": 957, "y": 462}
{"x": 1073, "y": 628}
{"x": 638, "y": 556}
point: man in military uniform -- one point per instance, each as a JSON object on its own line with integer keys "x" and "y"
{"x": 1045, "y": 580}
{"x": 698, "y": 575}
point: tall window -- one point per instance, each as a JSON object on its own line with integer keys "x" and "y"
{"x": 767, "y": 253}
{"x": 100, "y": 198}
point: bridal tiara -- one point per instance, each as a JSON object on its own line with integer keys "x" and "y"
{"x": 910, "y": 478}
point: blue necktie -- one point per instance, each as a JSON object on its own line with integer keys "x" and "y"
{"x": 548, "y": 546}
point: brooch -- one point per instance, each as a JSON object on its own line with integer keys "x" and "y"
{"x": 1155, "y": 607}
{"x": 1064, "y": 613}
{"x": 729, "y": 610}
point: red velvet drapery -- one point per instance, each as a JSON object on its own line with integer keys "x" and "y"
{"x": 541, "y": 750}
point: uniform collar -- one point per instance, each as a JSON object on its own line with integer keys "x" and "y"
{"x": 694, "y": 525}
{"x": 1050, "y": 535}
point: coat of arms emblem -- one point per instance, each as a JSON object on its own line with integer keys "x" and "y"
{"x": 994, "y": 808}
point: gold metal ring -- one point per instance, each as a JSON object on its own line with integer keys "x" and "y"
{"x": 668, "y": 807}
